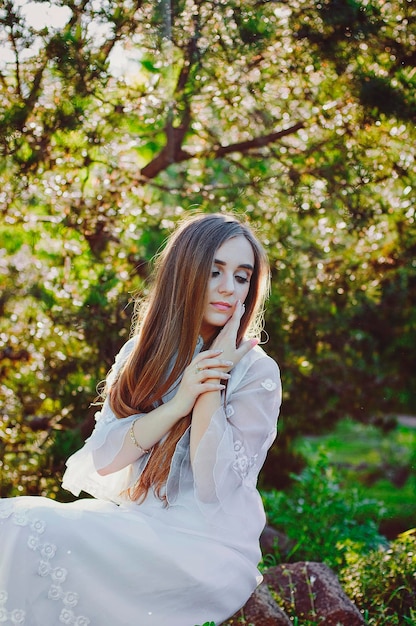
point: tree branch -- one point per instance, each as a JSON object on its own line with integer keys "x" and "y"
{"x": 257, "y": 142}
{"x": 173, "y": 152}
{"x": 175, "y": 135}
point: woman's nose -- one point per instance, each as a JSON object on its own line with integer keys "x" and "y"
{"x": 227, "y": 284}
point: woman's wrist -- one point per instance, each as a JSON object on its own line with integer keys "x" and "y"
{"x": 145, "y": 431}
{"x": 175, "y": 411}
{"x": 211, "y": 397}
{"x": 133, "y": 438}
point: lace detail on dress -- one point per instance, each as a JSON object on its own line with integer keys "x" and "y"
{"x": 243, "y": 463}
{"x": 16, "y": 616}
{"x": 269, "y": 384}
{"x": 47, "y": 552}
{"x": 104, "y": 417}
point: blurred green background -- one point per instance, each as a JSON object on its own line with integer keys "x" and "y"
{"x": 119, "y": 117}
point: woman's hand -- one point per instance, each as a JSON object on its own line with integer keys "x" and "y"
{"x": 206, "y": 404}
{"x": 204, "y": 374}
{"x": 227, "y": 338}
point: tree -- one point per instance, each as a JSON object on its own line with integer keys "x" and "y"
{"x": 301, "y": 117}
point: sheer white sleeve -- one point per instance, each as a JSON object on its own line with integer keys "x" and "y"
{"x": 101, "y": 448}
{"x": 234, "y": 447}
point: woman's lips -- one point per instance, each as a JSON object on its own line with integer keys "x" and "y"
{"x": 221, "y": 306}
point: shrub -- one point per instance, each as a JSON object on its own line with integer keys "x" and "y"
{"x": 383, "y": 582}
{"x": 321, "y": 518}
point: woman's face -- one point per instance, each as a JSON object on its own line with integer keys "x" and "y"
{"x": 230, "y": 282}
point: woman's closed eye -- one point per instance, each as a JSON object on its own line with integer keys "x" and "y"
{"x": 239, "y": 278}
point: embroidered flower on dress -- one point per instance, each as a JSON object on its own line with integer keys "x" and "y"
{"x": 17, "y": 616}
{"x": 59, "y": 574}
{"x": 33, "y": 542}
{"x": 38, "y": 526}
{"x": 70, "y": 598}
{"x": 48, "y": 550}
{"x": 44, "y": 568}
{"x": 269, "y": 384}
{"x": 243, "y": 463}
{"x": 54, "y": 592}
{"x": 66, "y": 616}
{"x": 20, "y": 518}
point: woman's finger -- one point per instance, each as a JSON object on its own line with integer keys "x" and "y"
{"x": 213, "y": 363}
{"x": 233, "y": 323}
{"x": 206, "y": 374}
{"x": 206, "y": 355}
{"x": 246, "y": 346}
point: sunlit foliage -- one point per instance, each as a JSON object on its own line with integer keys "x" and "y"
{"x": 121, "y": 115}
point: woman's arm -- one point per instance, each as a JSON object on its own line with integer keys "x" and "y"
{"x": 149, "y": 428}
{"x": 204, "y": 409}
{"x": 208, "y": 402}
{"x": 234, "y": 445}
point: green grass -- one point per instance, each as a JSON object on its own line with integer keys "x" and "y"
{"x": 382, "y": 464}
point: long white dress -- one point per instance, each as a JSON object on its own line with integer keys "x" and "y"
{"x": 107, "y": 561}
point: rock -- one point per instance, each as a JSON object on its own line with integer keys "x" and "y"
{"x": 262, "y": 610}
{"x": 308, "y": 591}
{"x": 272, "y": 541}
{"x": 314, "y": 593}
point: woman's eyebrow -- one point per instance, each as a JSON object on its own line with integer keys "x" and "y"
{"x": 245, "y": 266}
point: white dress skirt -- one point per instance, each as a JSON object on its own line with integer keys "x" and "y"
{"x": 107, "y": 561}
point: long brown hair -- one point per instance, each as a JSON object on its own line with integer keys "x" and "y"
{"x": 168, "y": 325}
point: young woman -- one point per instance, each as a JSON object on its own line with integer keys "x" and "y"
{"x": 172, "y": 533}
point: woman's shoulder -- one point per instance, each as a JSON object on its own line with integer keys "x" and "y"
{"x": 260, "y": 357}
{"x": 255, "y": 365}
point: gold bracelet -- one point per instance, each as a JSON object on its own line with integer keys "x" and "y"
{"x": 133, "y": 437}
